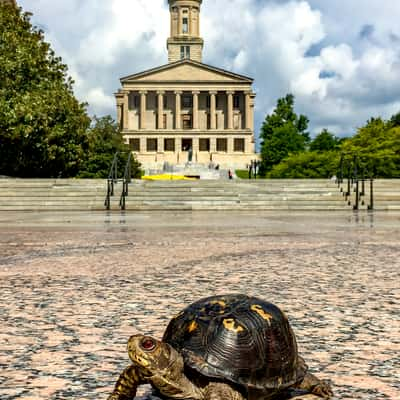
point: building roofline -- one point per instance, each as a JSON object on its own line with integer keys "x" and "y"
{"x": 186, "y": 61}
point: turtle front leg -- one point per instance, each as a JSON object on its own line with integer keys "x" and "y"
{"x": 125, "y": 388}
{"x": 218, "y": 391}
{"x": 316, "y": 386}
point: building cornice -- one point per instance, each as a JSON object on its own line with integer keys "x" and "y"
{"x": 187, "y": 132}
{"x": 165, "y": 67}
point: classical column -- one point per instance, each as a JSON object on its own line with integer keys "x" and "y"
{"x": 195, "y": 109}
{"x": 125, "y": 109}
{"x": 247, "y": 109}
{"x": 119, "y": 96}
{"x": 119, "y": 115}
{"x": 143, "y": 96}
{"x": 251, "y": 111}
{"x": 229, "y": 95}
{"x": 213, "y": 110}
{"x": 179, "y": 21}
{"x": 172, "y": 23}
{"x": 178, "y": 109}
{"x": 160, "y": 109}
{"x": 198, "y": 23}
{"x": 191, "y": 21}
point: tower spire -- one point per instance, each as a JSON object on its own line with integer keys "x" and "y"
{"x": 185, "y": 41}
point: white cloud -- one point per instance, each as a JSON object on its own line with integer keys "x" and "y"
{"x": 339, "y": 60}
{"x": 100, "y": 100}
{"x": 312, "y": 48}
{"x": 130, "y": 24}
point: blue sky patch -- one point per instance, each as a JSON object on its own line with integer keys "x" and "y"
{"x": 326, "y": 74}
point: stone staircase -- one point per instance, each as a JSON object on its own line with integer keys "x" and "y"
{"x": 386, "y": 194}
{"x": 235, "y": 195}
{"x": 89, "y": 195}
{"x": 53, "y": 194}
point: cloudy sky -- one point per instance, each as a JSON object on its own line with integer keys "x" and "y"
{"x": 340, "y": 58}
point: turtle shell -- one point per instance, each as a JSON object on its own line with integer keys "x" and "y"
{"x": 238, "y": 338}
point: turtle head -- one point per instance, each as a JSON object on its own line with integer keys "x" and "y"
{"x": 148, "y": 353}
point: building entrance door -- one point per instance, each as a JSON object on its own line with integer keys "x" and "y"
{"x": 187, "y": 149}
{"x": 187, "y": 144}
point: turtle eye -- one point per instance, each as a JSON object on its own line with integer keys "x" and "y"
{"x": 148, "y": 344}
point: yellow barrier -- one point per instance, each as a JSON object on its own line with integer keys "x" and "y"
{"x": 167, "y": 177}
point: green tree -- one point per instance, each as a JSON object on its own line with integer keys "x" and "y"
{"x": 42, "y": 125}
{"x": 105, "y": 140}
{"x": 282, "y": 133}
{"x": 378, "y": 146}
{"x": 395, "y": 120}
{"x": 325, "y": 141}
{"x": 309, "y": 164}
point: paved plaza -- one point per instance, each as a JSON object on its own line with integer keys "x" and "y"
{"x": 75, "y": 286}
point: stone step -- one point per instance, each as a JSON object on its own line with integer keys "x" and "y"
{"x": 39, "y": 185}
{"x": 172, "y": 186}
{"x": 230, "y": 190}
{"x": 60, "y": 207}
{"x": 260, "y": 182}
{"x": 206, "y": 207}
{"x": 229, "y": 201}
{"x": 50, "y": 202}
{"x": 387, "y": 207}
{"x": 141, "y": 197}
{"x": 75, "y": 195}
{"x": 35, "y": 195}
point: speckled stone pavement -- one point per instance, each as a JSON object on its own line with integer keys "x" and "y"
{"x": 74, "y": 287}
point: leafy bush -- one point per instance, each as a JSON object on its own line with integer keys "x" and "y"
{"x": 377, "y": 145}
{"x": 307, "y": 165}
{"x": 105, "y": 140}
{"x": 242, "y": 173}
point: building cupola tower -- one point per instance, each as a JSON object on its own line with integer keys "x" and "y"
{"x": 185, "y": 41}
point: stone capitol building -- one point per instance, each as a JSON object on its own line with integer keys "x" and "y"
{"x": 186, "y": 110}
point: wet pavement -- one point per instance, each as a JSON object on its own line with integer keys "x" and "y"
{"x": 75, "y": 286}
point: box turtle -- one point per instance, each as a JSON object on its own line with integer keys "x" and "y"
{"x": 231, "y": 347}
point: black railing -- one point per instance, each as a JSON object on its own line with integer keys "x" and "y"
{"x": 253, "y": 168}
{"x": 351, "y": 179}
{"x": 126, "y": 180}
{"x": 111, "y": 181}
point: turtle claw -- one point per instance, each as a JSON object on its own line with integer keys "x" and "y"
{"x": 323, "y": 389}
{"x": 319, "y": 387}
{"x": 117, "y": 397}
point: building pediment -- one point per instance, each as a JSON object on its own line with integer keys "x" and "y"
{"x": 186, "y": 71}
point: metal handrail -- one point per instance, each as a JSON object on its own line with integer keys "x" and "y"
{"x": 127, "y": 178}
{"x": 350, "y": 166}
{"x": 254, "y": 168}
{"x": 111, "y": 180}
